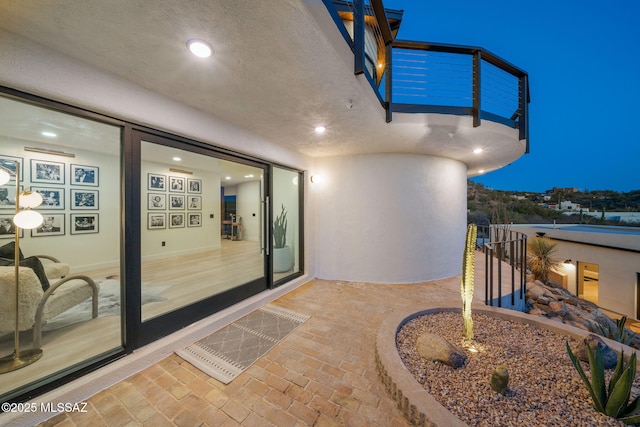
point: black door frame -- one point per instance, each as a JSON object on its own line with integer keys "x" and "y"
{"x": 137, "y": 332}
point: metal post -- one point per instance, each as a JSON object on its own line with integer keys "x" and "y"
{"x": 358, "y": 36}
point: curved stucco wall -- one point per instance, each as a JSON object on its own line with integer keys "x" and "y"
{"x": 389, "y": 218}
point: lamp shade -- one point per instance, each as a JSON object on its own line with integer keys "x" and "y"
{"x": 30, "y": 199}
{"x": 28, "y": 219}
{"x": 4, "y": 176}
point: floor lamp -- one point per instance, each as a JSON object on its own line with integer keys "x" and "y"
{"x": 25, "y": 219}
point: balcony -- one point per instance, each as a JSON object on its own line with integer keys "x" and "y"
{"x": 417, "y": 77}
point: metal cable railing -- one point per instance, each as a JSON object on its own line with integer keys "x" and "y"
{"x": 505, "y": 253}
{"x": 421, "y": 77}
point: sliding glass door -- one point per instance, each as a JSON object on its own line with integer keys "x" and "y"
{"x": 201, "y": 233}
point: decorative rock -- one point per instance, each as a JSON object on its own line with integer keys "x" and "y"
{"x": 609, "y": 357}
{"x": 500, "y": 380}
{"x": 435, "y": 348}
{"x": 555, "y": 302}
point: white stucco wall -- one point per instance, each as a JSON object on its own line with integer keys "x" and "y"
{"x": 389, "y": 218}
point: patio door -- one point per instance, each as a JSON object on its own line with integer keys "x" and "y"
{"x": 195, "y": 257}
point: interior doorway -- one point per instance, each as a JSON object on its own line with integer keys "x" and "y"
{"x": 588, "y": 281}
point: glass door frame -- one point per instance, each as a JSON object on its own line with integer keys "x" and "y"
{"x": 139, "y": 333}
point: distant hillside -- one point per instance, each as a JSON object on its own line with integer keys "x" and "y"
{"x": 487, "y": 206}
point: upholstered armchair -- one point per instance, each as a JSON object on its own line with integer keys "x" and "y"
{"x": 36, "y": 306}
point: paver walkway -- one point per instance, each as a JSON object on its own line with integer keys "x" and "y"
{"x": 323, "y": 374}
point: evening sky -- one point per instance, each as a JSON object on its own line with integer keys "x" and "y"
{"x": 583, "y": 61}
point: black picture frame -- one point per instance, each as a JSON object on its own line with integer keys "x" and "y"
{"x": 176, "y": 220}
{"x": 176, "y": 202}
{"x": 156, "y": 201}
{"x": 84, "y": 175}
{"x": 85, "y": 223}
{"x": 7, "y": 228}
{"x": 194, "y": 219}
{"x": 156, "y": 182}
{"x": 194, "y": 203}
{"x": 52, "y": 225}
{"x": 8, "y": 197}
{"x": 52, "y": 197}
{"x": 9, "y": 162}
{"x": 194, "y": 186}
{"x": 156, "y": 220}
{"x": 84, "y": 199}
{"x": 47, "y": 172}
{"x": 176, "y": 184}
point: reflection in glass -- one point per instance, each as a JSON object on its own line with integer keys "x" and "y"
{"x": 201, "y": 227}
{"x": 70, "y": 266}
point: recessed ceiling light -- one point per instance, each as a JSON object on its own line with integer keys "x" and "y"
{"x": 248, "y": 176}
{"x": 478, "y": 151}
{"x": 48, "y": 134}
{"x": 177, "y": 159}
{"x": 320, "y": 129}
{"x": 200, "y": 48}
{"x": 227, "y": 178}
{"x": 481, "y": 171}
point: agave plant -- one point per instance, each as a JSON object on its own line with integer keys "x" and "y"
{"x": 541, "y": 252}
{"x": 612, "y": 399}
{"x": 620, "y": 334}
{"x": 280, "y": 230}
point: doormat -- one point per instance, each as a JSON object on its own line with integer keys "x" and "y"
{"x": 227, "y": 353}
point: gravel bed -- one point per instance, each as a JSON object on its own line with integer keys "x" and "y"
{"x": 544, "y": 387}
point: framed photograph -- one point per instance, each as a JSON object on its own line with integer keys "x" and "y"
{"x": 84, "y": 199}
{"x": 156, "y": 182}
{"x": 194, "y": 219}
{"x": 176, "y": 202}
{"x": 156, "y": 201}
{"x": 176, "y": 184}
{"x": 8, "y": 197}
{"x": 156, "y": 220}
{"x": 46, "y": 172}
{"x": 194, "y": 203}
{"x": 9, "y": 162}
{"x": 84, "y": 175}
{"x": 84, "y": 223}
{"x": 194, "y": 186}
{"x": 7, "y": 229}
{"x": 52, "y": 225}
{"x": 52, "y": 198}
{"x": 176, "y": 220}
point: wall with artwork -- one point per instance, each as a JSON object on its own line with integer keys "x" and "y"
{"x": 81, "y": 203}
{"x": 177, "y": 209}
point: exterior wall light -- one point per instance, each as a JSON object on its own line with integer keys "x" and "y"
{"x": 316, "y": 179}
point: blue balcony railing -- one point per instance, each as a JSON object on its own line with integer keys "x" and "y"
{"x": 422, "y": 77}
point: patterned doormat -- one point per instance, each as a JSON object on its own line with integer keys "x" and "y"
{"x": 226, "y": 353}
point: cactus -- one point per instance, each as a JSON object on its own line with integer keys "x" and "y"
{"x": 500, "y": 380}
{"x": 612, "y": 399}
{"x": 466, "y": 286}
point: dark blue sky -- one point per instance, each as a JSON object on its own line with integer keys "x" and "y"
{"x": 583, "y": 61}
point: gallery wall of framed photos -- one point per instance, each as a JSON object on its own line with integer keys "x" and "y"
{"x": 64, "y": 187}
{"x": 173, "y": 201}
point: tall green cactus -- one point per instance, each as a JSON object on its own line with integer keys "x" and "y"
{"x": 466, "y": 286}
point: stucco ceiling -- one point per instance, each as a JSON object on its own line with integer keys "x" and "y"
{"x": 280, "y": 68}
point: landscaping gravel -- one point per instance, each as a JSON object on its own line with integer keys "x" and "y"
{"x": 544, "y": 387}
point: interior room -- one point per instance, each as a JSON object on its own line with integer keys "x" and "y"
{"x": 202, "y": 234}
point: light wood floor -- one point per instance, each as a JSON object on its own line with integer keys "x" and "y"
{"x": 184, "y": 279}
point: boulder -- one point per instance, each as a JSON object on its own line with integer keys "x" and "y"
{"x": 434, "y": 347}
{"x": 609, "y": 357}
